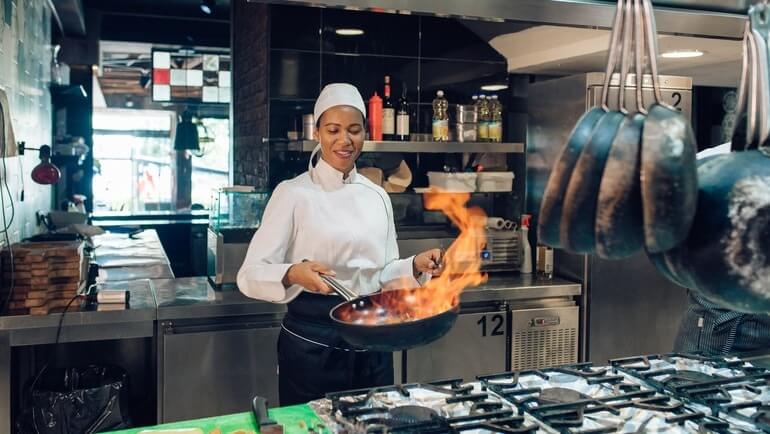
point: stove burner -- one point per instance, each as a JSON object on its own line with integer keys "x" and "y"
{"x": 406, "y": 419}
{"x": 411, "y": 414}
{"x": 685, "y": 378}
{"x": 559, "y": 395}
{"x": 762, "y": 417}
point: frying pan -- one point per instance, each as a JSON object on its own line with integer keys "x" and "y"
{"x": 578, "y": 216}
{"x": 380, "y": 321}
{"x": 553, "y": 196}
{"x": 728, "y": 250}
{"x": 669, "y": 181}
{"x": 726, "y": 256}
{"x": 670, "y": 263}
{"x": 618, "y": 227}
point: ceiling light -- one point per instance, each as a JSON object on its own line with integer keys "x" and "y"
{"x": 682, "y": 54}
{"x": 349, "y": 32}
{"x": 207, "y": 6}
{"x": 494, "y": 87}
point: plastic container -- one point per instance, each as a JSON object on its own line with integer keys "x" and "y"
{"x": 494, "y": 181}
{"x": 308, "y": 126}
{"x": 453, "y": 181}
{"x": 467, "y": 132}
{"x": 466, "y": 114}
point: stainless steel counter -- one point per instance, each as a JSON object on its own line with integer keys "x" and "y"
{"x": 122, "y": 258}
{"x": 88, "y": 323}
{"x": 193, "y": 297}
{"x": 132, "y": 265}
{"x": 514, "y": 287}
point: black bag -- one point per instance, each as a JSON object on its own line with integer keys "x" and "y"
{"x": 76, "y": 400}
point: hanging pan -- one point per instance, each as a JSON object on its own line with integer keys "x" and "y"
{"x": 550, "y": 215}
{"x": 618, "y": 227}
{"x": 576, "y": 229}
{"x": 669, "y": 182}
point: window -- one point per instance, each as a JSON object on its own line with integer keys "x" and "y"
{"x": 134, "y": 160}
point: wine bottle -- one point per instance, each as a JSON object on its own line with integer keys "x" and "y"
{"x": 402, "y": 116}
{"x": 388, "y": 114}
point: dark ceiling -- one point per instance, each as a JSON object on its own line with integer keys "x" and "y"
{"x": 171, "y": 8}
{"x": 180, "y": 22}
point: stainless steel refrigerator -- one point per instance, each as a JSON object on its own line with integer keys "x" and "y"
{"x": 627, "y": 307}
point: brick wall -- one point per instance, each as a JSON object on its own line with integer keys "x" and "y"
{"x": 249, "y": 108}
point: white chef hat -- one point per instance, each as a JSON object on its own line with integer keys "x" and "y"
{"x": 338, "y": 94}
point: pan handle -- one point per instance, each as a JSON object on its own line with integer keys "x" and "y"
{"x": 336, "y": 286}
{"x": 339, "y": 288}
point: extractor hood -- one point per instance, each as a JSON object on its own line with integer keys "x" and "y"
{"x": 710, "y": 18}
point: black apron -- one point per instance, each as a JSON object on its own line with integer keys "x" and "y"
{"x": 710, "y": 329}
{"x": 314, "y": 360}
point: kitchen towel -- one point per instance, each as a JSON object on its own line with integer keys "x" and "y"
{"x": 7, "y": 139}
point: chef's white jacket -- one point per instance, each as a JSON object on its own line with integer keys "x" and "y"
{"x": 319, "y": 216}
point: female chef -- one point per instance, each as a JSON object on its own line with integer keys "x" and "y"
{"x": 329, "y": 220}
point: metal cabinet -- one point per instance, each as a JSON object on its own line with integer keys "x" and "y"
{"x": 216, "y": 368}
{"x": 476, "y": 345}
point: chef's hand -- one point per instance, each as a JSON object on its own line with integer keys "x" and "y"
{"x": 307, "y": 275}
{"x": 429, "y": 261}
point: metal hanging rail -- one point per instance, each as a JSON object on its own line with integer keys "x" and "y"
{"x": 709, "y": 18}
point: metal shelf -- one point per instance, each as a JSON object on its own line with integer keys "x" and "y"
{"x": 427, "y": 147}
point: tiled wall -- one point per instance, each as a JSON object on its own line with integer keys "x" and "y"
{"x": 424, "y": 53}
{"x": 25, "y": 58}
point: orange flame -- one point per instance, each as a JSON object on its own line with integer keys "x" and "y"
{"x": 463, "y": 258}
{"x": 462, "y": 265}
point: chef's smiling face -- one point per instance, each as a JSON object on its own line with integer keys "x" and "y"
{"x": 341, "y": 134}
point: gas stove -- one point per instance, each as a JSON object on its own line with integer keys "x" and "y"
{"x": 586, "y": 399}
{"x": 449, "y": 406}
{"x": 728, "y": 388}
{"x": 670, "y": 393}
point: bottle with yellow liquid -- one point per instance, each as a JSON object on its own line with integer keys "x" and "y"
{"x": 440, "y": 118}
{"x": 495, "y": 120}
{"x": 483, "y": 125}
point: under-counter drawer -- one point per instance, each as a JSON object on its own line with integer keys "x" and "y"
{"x": 215, "y": 372}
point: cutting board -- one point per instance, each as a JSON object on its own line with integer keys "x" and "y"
{"x": 294, "y": 419}
{"x": 46, "y": 275}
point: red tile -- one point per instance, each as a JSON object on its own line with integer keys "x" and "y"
{"x": 160, "y": 76}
